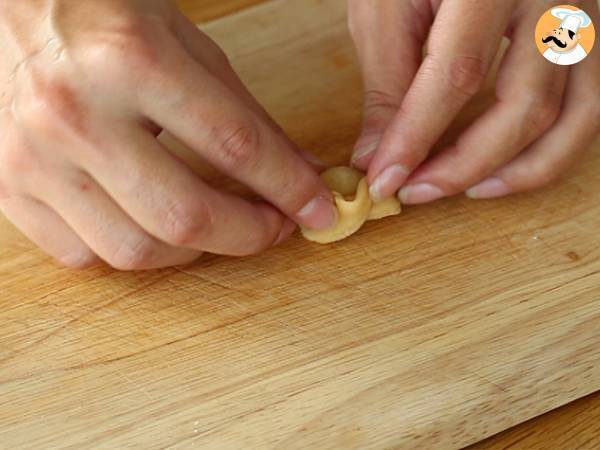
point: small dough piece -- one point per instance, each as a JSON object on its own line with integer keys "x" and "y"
{"x": 386, "y": 208}
{"x": 343, "y": 180}
{"x": 351, "y": 196}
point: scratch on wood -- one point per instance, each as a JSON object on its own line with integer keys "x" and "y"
{"x": 57, "y": 330}
{"x": 213, "y": 282}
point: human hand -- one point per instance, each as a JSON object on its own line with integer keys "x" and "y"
{"x": 86, "y": 88}
{"x": 544, "y": 116}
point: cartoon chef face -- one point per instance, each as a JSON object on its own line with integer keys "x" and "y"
{"x": 561, "y": 40}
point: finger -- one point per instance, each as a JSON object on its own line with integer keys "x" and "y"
{"x": 529, "y": 94}
{"x": 205, "y": 51}
{"x": 173, "y": 204}
{"x": 389, "y": 38}
{"x": 237, "y": 142}
{"x": 463, "y": 43}
{"x": 546, "y": 160}
{"x": 105, "y": 228}
{"x": 575, "y": 130}
{"x": 240, "y": 138}
{"x": 203, "y": 113}
{"x": 48, "y": 231}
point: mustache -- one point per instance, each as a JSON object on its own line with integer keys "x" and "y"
{"x": 556, "y": 41}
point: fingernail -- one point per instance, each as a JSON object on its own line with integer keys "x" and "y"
{"x": 492, "y": 187}
{"x": 312, "y": 159}
{"x": 387, "y": 182}
{"x": 420, "y": 193}
{"x": 287, "y": 229}
{"x": 318, "y": 214}
{"x": 362, "y": 151}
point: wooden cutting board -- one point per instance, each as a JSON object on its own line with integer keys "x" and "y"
{"x": 435, "y": 329}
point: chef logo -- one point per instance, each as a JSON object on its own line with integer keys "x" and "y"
{"x": 565, "y": 35}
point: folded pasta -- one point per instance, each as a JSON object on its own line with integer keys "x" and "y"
{"x": 354, "y": 205}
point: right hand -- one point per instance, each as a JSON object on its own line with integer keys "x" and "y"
{"x": 86, "y": 88}
{"x": 543, "y": 118}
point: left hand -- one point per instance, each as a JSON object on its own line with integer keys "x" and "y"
{"x": 544, "y": 116}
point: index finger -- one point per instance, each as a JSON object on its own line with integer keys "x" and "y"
{"x": 205, "y": 114}
{"x": 464, "y": 40}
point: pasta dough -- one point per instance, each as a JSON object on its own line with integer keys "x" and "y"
{"x": 351, "y": 196}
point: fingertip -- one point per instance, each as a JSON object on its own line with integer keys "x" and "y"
{"x": 287, "y": 229}
{"x": 79, "y": 261}
{"x": 387, "y": 183}
{"x": 362, "y": 162}
{"x": 363, "y": 154}
{"x": 489, "y": 188}
{"x": 318, "y": 214}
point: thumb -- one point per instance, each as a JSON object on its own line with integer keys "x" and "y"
{"x": 389, "y": 38}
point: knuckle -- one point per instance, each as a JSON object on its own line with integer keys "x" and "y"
{"x": 379, "y": 107}
{"x": 377, "y": 98}
{"x": 459, "y": 170}
{"x": 543, "y": 173}
{"x": 238, "y": 145}
{"x": 466, "y": 74}
{"x": 132, "y": 46}
{"x": 53, "y": 106}
{"x": 540, "y": 114}
{"x": 535, "y": 174}
{"x": 139, "y": 52}
{"x": 133, "y": 254}
{"x": 187, "y": 223}
{"x": 16, "y": 160}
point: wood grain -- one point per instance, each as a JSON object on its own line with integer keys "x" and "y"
{"x": 204, "y": 10}
{"x": 575, "y": 426}
{"x": 437, "y": 329}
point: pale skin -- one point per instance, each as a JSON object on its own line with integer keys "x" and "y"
{"x": 87, "y": 86}
{"x": 543, "y": 118}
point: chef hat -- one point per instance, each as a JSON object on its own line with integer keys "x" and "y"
{"x": 572, "y": 20}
